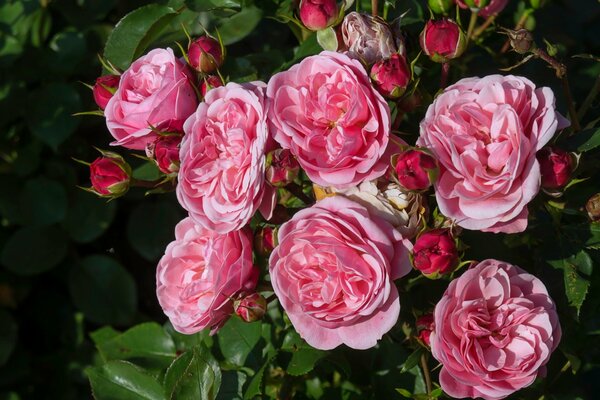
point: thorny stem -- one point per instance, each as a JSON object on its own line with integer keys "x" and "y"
{"x": 374, "y": 7}
{"x": 518, "y": 26}
{"x": 587, "y": 103}
{"x": 484, "y": 26}
{"x": 296, "y": 190}
{"x": 444, "y": 78}
{"x": 561, "y": 73}
{"x": 472, "y": 22}
{"x": 425, "y": 368}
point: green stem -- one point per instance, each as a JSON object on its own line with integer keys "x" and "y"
{"x": 472, "y": 22}
{"x": 484, "y": 26}
{"x": 374, "y": 7}
{"x": 425, "y": 368}
{"x": 587, "y": 103}
{"x": 296, "y": 190}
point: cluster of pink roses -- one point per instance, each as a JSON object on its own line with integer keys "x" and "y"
{"x": 333, "y": 264}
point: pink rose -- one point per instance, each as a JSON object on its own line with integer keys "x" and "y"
{"x": 333, "y": 273}
{"x": 222, "y": 172}
{"x": 328, "y": 114}
{"x": 201, "y": 274}
{"x": 155, "y": 90}
{"x": 368, "y": 38}
{"x": 495, "y": 328}
{"x": 485, "y": 133}
{"x": 492, "y": 7}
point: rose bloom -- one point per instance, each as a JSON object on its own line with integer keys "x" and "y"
{"x": 495, "y": 328}
{"x": 222, "y": 171}
{"x": 485, "y": 133}
{"x": 155, "y": 90}
{"x": 333, "y": 273}
{"x": 493, "y": 7}
{"x": 368, "y": 38}
{"x": 328, "y": 114}
{"x": 200, "y": 275}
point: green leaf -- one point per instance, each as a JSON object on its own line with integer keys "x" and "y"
{"x": 412, "y": 360}
{"x": 237, "y": 339}
{"x": 33, "y": 250}
{"x": 304, "y": 357}
{"x": 576, "y": 286}
{"x": 148, "y": 345}
{"x": 327, "y": 38}
{"x": 103, "y": 290}
{"x": 104, "y": 334}
{"x": 43, "y": 202}
{"x": 585, "y": 140}
{"x": 209, "y": 5}
{"x": 405, "y": 393}
{"x": 256, "y": 384}
{"x": 122, "y": 380}
{"x": 240, "y": 25}
{"x": 185, "y": 342}
{"x": 135, "y": 32}
{"x": 151, "y": 227}
{"x": 147, "y": 172}
{"x": 8, "y": 336}
{"x": 232, "y": 385}
{"x": 51, "y": 115}
{"x": 88, "y": 216}
{"x": 193, "y": 375}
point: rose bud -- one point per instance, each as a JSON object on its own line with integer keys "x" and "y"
{"x": 205, "y": 54}
{"x": 556, "y": 166}
{"x": 391, "y": 76}
{"x": 435, "y": 253}
{"x": 165, "y": 152}
{"x": 281, "y": 167}
{"x": 415, "y": 169}
{"x": 440, "y": 6}
{"x": 265, "y": 240}
{"x": 210, "y": 82}
{"x": 251, "y": 308}
{"x": 110, "y": 175}
{"x": 424, "y": 328}
{"x": 593, "y": 207}
{"x": 318, "y": 14}
{"x": 442, "y": 40}
{"x": 104, "y": 88}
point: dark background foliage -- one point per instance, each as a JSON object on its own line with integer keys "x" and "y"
{"x": 72, "y": 263}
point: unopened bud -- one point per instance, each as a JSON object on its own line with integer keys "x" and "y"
{"x": 165, "y": 152}
{"x": 415, "y": 169}
{"x": 104, "y": 88}
{"x": 556, "y": 166}
{"x": 251, "y": 308}
{"x": 281, "y": 167}
{"x": 440, "y": 6}
{"x": 318, "y": 14}
{"x": 442, "y": 40}
{"x": 205, "y": 54}
{"x": 391, "y": 76}
{"x": 265, "y": 240}
{"x": 425, "y": 325}
{"x": 210, "y": 82}
{"x": 110, "y": 175}
{"x": 435, "y": 253}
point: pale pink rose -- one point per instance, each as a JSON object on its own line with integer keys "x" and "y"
{"x": 495, "y": 328}
{"x": 494, "y": 7}
{"x": 201, "y": 274}
{"x": 328, "y": 114}
{"x": 368, "y": 38}
{"x": 222, "y": 172}
{"x": 155, "y": 90}
{"x": 333, "y": 272}
{"x": 484, "y": 133}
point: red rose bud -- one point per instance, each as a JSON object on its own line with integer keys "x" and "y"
{"x": 442, "y": 40}
{"x": 205, "y": 55}
{"x": 265, "y": 240}
{"x": 425, "y": 326}
{"x": 415, "y": 169}
{"x": 282, "y": 167}
{"x": 435, "y": 253}
{"x": 104, "y": 88}
{"x": 210, "y": 82}
{"x": 391, "y": 76}
{"x": 110, "y": 175}
{"x": 440, "y": 6}
{"x": 251, "y": 308}
{"x": 556, "y": 166}
{"x": 318, "y": 14}
{"x": 165, "y": 151}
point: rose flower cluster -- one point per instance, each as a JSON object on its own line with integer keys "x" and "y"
{"x": 242, "y": 152}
